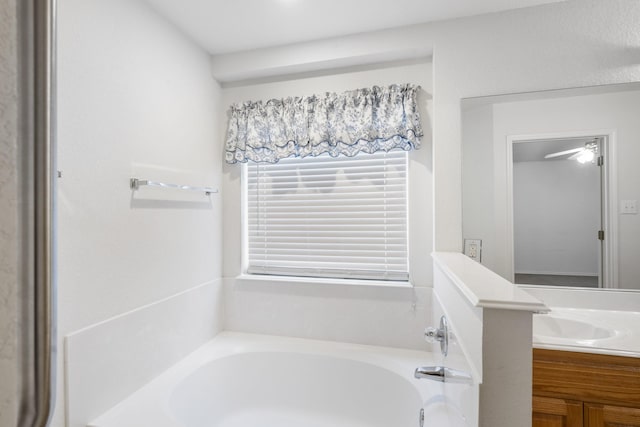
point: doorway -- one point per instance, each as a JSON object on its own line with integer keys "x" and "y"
{"x": 559, "y": 212}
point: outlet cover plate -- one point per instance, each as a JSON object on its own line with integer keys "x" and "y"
{"x": 629, "y": 207}
{"x": 473, "y": 249}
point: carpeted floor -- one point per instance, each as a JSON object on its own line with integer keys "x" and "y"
{"x": 557, "y": 280}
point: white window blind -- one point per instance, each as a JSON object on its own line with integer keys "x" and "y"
{"x": 343, "y": 217}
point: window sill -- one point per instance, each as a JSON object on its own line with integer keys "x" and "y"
{"x": 267, "y": 279}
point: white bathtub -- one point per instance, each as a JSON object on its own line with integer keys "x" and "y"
{"x": 245, "y": 380}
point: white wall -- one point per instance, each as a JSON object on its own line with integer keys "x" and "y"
{"x": 569, "y": 44}
{"x": 575, "y": 43}
{"x": 594, "y": 112}
{"x": 302, "y": 310}
{"x": 556, "y": 212}
{"x": 9, "y": 197}
{"x": 477, "y": 185}
{"x": 135, "y": 98}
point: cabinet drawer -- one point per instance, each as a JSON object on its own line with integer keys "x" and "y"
{"x": 596, "y": 378}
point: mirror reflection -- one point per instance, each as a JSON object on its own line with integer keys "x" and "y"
{"x": 558, "y": 190}
{"x": 551, "y": 186}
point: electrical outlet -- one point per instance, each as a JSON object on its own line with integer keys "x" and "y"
{"x": 629, "y": 207}
{"x": 473, "y": 249}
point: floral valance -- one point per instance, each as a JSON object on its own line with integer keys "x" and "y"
{"x": 364, "y": 120}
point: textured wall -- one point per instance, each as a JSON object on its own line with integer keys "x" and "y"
{"x": 135, "y": 98}
{"x": 8, "y": 212}
{"x": 300, "y": 309}
{"x": 568, "y": 44}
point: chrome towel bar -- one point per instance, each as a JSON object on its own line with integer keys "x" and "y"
{"x": 135, "y": 184}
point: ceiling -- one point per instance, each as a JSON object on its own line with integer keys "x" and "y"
{"x": 224, "y": 26}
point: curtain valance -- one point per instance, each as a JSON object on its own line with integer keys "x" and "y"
{"x": 364, "y": 120}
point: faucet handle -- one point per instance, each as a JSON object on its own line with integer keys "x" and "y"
{"x": 433, "y": 334}
{"x": 441, "y": 335}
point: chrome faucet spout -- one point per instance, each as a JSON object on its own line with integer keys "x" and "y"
{"x": 443, "y": 374}
{"x": 435, "y": 373}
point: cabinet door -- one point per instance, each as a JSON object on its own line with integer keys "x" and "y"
{"x": 611, "y": 416}
{"x": 550, "y": 412}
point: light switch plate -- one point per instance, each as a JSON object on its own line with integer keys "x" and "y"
{"x": 628, "y": 207}
{"x": 473, "y": 249}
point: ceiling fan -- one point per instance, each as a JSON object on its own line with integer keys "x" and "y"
{"x": 581, "y": 154}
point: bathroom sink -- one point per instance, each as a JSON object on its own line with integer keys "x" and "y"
{"x": 591, "y": 330}
{"x": 547, "y": 325}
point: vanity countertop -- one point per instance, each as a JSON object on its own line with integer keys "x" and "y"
{"x": 588, "y": 330}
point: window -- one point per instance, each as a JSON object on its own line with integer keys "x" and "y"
{"x": 343, "y": 217}
{"x": 325, "y": 183}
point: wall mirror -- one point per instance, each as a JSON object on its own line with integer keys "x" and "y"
{"x": 551, "y": 186}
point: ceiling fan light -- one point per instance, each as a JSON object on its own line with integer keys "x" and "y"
{"x": 586, "y": 156}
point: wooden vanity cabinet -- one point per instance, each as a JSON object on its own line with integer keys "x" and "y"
{"x": 552, "y": 412}
{"x": 611, "y": 416}
{"x": 572, "y": 389}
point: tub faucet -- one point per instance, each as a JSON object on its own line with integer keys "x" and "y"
{"x": 443, "y": 374}
{"x": 441, "y": 335}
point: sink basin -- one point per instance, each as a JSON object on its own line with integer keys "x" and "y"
{"x": 571, "y": 329}
{"x": 590, "y": 330}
